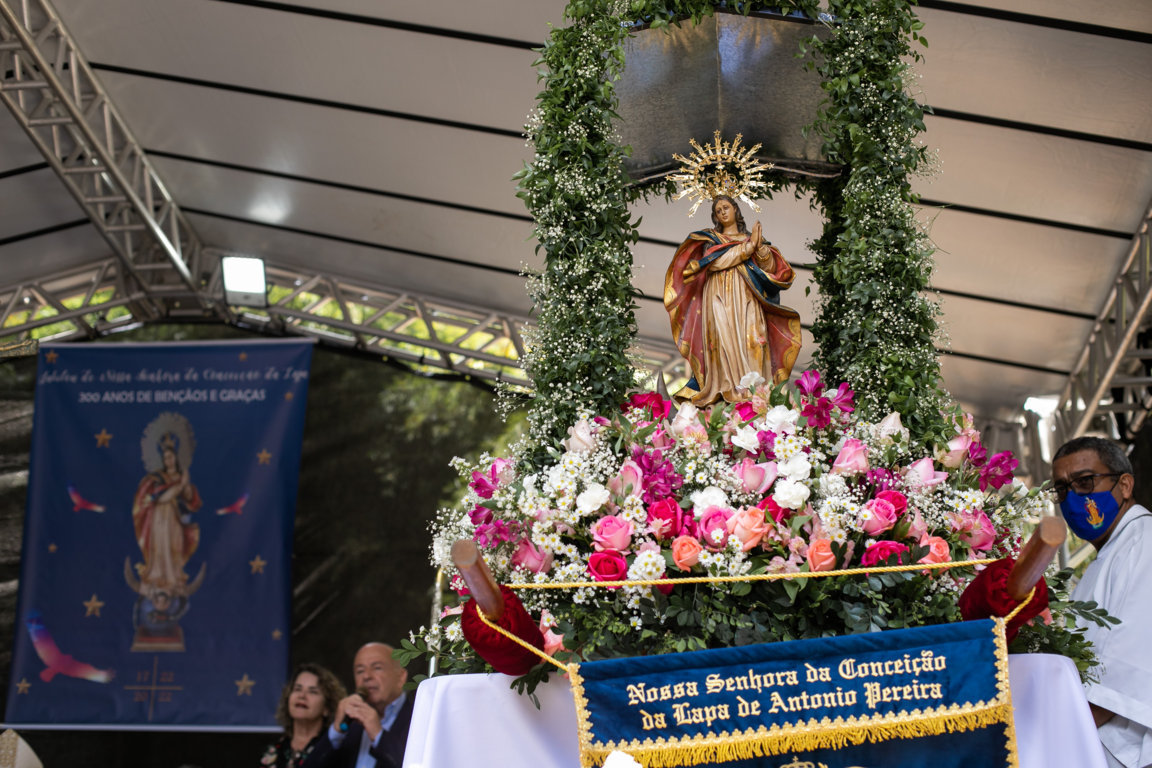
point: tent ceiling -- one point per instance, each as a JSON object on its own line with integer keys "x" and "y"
{"x": 373, "y": 146}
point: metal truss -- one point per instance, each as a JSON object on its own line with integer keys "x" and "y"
{"x": 431, "y": 334}
{"x": 81, "y": 303}
{"x": 52, "y": 92}
{"x": 1113, "y": 374}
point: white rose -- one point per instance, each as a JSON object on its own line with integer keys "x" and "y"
{"x": 781, "y": 420}
{"x": 751, "y": 380}
{"x": 746, "y": 438}
{"x": 581, "y": 437}
{"x": 685, "y": 416}
{"x": 592, "y": 498}
{"x": 890, "y": 429}
{"x": 709, "y": 497}
{"x": 796, "y": 468}
{"x": 790, "y": 494}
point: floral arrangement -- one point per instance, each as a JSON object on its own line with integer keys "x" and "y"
{"x": 787, "y": 481}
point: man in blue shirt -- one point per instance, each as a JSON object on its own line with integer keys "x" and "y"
{"x": 371, "y": 726}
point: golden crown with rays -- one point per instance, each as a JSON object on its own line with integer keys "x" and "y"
{"x": 721, "y": 168}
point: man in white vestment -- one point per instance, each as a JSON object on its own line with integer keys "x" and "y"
{"x": 1093, "y": 481}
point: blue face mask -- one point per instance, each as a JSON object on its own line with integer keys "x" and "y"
{"x": 1089, "y": 516}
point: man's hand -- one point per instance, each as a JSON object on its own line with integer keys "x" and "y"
{"x": 357, "y": 709}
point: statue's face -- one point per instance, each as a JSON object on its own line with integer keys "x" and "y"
{"x": 169, "y": 460}
{"x": 724, "y": 213}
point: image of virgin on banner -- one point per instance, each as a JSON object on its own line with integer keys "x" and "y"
{"x": 155, "y": 568}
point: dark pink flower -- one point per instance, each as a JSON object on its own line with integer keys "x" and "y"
{"x": 608, "y": 566}
{"x": 664, "y": 518}
{"x": 882, "y": 551}
{"x": 656, "y": 405}
{"x": 745, "y": 410}
{"x": 843, "y": 398}
{"x": 494, "y": 534}
{"x": 660, "y": 478}
{"x": 998, "y": 471}
{"x": 818, "y": 412}
{"x": 881, "y": 479}
{"x": 480, "y": 515}
{"x": 809, "y": 383}
{"x": 977, "y": 454}
{"x": 898, "y": 500}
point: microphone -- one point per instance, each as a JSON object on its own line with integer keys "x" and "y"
{"x": 343, "y": 727}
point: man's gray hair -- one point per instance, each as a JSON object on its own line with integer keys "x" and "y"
{"x": 1111, "y": 454}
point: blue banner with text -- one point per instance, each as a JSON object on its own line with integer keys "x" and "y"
{"x": 925, "y": 696}
{"x": 155, "y": 574}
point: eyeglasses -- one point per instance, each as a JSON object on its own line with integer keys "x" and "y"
{"x": 1083, "y": 485}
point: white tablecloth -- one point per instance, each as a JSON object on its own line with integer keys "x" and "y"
{"x": 478, "y": 720}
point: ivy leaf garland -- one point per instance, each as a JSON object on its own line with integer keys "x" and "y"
{"x": 876, "y": 327}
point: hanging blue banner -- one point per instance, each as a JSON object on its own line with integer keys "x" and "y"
{"x": 933, "y": 695}
{"x": 155, "y": 573}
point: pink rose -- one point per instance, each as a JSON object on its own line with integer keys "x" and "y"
{"x": 852, "y": 459}
{"x": 685, "y": 552}
{"x": 938, "y": 551}
{"x": 820, "y": 556}
{"x": 898, "y": 500}
{"x": 531, "y": 558}
{"x": 608, "y": 566}
{"x": 923, "y": 474}
{"x": 612, "y": 533}
{"x": 974, "y": 529}
{"x": 661, "y": 439}
{"x": 917, "y": 529}
{"x": 879, "y": 515}
{"x": 953, "y": 456}
{"x": 881, "y": 551}
{"x": 748, "y": 526}
{"x": 713, "y": 527}
{"x": 628, "y": 481}
{"x": 664, "y": 518}
{"x": 755, "y": 478}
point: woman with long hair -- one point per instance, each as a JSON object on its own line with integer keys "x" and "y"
{"x": 307, "y": 705}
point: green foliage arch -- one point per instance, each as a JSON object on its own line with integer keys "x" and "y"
{"x": 876, "y": 325}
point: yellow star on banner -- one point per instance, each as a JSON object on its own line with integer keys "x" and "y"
{"x": 94, "y": 605}
{"x": 288, "y": 395}
{"x": 51, "y": 355}
{"x": 257, "y": 564}
{"x": 52, "y": 547}
{"x": 244, "y": 685}
{"x": 277, "y": 634}
{"x": 103, "y": 437}
{"x": 23, "y": 686}
{"x": 243, "y": 356}
{"x": 264, "y": 456}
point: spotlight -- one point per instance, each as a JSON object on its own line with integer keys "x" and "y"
{"x": 244, "y": 283}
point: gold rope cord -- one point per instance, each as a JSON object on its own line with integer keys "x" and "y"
{"x": 757, "y": 576}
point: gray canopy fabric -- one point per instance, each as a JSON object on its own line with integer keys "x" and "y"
{"x": 365, "y": 150}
